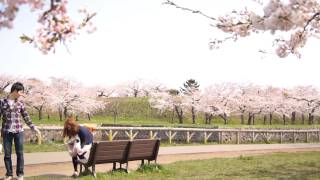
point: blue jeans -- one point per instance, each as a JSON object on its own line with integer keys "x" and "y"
{"x": 8, "y": 137}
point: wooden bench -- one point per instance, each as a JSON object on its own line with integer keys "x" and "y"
{"x": 144, "y": 149}
{"x": 106, "y": 152}
{"x": 120, "y": 152}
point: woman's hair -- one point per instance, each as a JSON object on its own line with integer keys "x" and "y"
{"x": 17, "y": 86}
{"x": 71, "y": 127}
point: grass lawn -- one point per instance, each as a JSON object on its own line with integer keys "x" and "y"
{"x": 44, "y": 147}
{"x": 136, "y": 121}
{"x": 299, "y": 166}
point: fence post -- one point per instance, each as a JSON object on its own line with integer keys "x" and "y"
{"x": 220, "y": 137}
{"x": 111, "y": 135}
{"x": 152, "y": 136}
{"x": 170, "y": 135}
{"x": 39, "y": 138}
{"x": 206, "y": 137}
{"x": 131, "y": 135}
{"x": 238, "y": 137}
{"x": 189, "y": 136}
{"x": 253, "y": 137}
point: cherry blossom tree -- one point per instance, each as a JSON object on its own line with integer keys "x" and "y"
{"x": 103, "y": 91}
{"x": 64, "y": 93}
{"x": 284, "y": 106}
{"x": 309, "y": 98}
{"x": 171, "y": 100}
{"x": 294, "y": 21}
{"x": 149, "y": 87}
{"x": 87, "y": 102}
{"x": 38, "y": 95}
{"x": 135, "y": 88}
{"x": 55, "y": 24}
{"x": 219, "y": 100}
{"x": 242, "y": 101}
{"x": 5, "y": 81}
{"x": 191, "y": 90}
{"x": 271, "y": 97}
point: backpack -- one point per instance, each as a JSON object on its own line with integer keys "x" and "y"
{"x": 90, "y": 127}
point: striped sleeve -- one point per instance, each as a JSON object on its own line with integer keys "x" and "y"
{"x": 26, "y": 116}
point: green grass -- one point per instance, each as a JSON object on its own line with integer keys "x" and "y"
{"x": 297, "y": 166}
{"x": 44, "y": 147}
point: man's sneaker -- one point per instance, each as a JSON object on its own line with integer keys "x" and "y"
{"x": 75, "y": 174}
{"x": 20, "y": 178}
{"x": 7, "y": 178}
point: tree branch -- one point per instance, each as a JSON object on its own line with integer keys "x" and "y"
{"x": 168, "y": 2}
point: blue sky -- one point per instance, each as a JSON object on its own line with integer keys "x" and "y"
{"x": 147, "y": 40}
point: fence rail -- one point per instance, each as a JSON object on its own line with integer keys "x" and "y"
{"x": 190, "y": 135}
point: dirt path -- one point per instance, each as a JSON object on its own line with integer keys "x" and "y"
{"x": 64, "y": 170}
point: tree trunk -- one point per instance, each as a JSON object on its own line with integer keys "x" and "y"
{"x": 135, "y": 93}
{"x": 60, "y": 114}
{"x": 115, "y": 117}
{"x": 89, "y": 116}
{"x": 284, "y": 119}
{"x": 224, "y": 117}
{"x": 180, "y": 114}
{"x": 193, "y": 115}
{"x": 311, "y": 118}
{"x": 208, "y": 118}
{"x": 40, "y": 114}
{"x": 250, "y": 119}
{"x": 293, "y": 117}
{"x": 48, "y": 116}
{"x": 65, "y": 112}
{"x": 302, "y": 118}
{"x": 253, "y": 118}
{"x": 270, "y": 118}
{"x": 172, "y": 117}
{"x": 242, "y": 118}
{"x": 265, "y": 119}
{"x": 77, "y": 118}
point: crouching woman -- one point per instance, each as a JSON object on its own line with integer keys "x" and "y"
{"x": 79, "y": 143}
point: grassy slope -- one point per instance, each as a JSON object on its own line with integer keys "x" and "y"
{"x": 137, "y": 111}
{"x": 297, "y": 166}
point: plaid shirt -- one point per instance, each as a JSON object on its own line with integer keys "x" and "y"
{"x": 11, "y": 116}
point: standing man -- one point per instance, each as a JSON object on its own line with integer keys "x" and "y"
{"x": 11, "y": 112}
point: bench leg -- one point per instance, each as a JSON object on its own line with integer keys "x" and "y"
{"x": 94, "y": 171}
{"x": 114, "y": 166}
{"x": 127, "y": 167}
{"x": 142, "y": 162}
